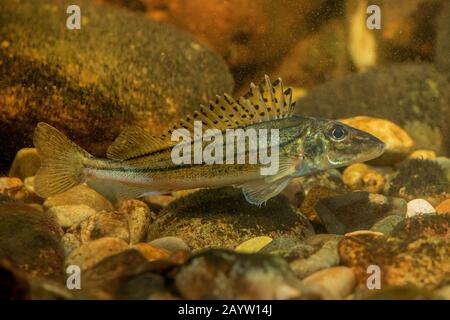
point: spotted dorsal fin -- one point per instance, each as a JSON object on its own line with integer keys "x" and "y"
{"x": 262, "y": 103}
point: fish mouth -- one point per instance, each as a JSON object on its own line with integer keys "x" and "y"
{"x": 375, "y": 148}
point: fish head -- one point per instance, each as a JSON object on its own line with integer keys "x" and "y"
{"x": 334, "y": 144}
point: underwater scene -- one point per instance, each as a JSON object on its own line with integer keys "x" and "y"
{"x": 224, "y": 150}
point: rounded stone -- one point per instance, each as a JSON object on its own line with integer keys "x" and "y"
{"x": 418, "y": 207}
{"x": 26, "y": 163}
{"x": 108, "y": 75}
{"x": 443, "y": 207}
{"x": 172, "y": 244}
{"x": 80, "y": 195}
{"x": 90, "y": 253}
{"x": 31, "y": 240}
{"x": 254, "y": 244}
{"x": 223, "y": 218}
{"x": 329, "y": 284}
{"x": 138, "y": 216}
{"x": 70, "y": 215}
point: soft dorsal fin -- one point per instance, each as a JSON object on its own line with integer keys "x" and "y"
{"x": 263, "y": 102}
{"x": 134, "y": 142}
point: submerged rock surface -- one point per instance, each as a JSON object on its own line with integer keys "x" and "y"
{"x": 223, "y": 218}
{"x": 120, "y": 68}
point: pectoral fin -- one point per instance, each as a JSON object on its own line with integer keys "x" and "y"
{"x": 259, "y": 191}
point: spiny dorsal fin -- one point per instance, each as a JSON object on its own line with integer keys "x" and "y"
{"x": 263, "y": 102}
{"x": 133, "y": 142}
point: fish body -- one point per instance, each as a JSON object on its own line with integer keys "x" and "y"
{"x": 140, "y": 164}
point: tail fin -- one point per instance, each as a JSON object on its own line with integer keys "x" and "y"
{"x": 61, "y": 161}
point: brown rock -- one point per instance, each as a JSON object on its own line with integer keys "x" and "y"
{"x": 13, "y": 188}
{"x": 360, "y": 176}
{"x": 89, "y": 254}
{"x": 80, "y": 195}
{"x": 443, "y": 207}
{"x": 31, "y": 240}
{"x": 150, "y": 252}
{"x": 26, "y": 163}
{"x": 100, "y": 225}
{"x": 223, "y": 218}
{"x": 222, "y": 274}
{"x": 70, "y": 215}
{"x": 329, "y": 284}
{"x": 92, "y": 84}
{"x": 416, "y": 254}
{"x": 138, "y": 216}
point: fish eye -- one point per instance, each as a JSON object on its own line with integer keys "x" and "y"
{"x": 338, "y": 133}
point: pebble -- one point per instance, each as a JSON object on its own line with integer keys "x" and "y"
{"x": 333, "y": 283}
{"x": 224, "y": 274}
{"x": 254, "y": 244}
{"x": 423, "y": 154}
{"x": 25, "y": 164}
{"x": 172, "y": 244}
{"x": 70, "y": 215}
{"x": 289, "y": 248}
{"x": 327, "y": 256}
{"x": 90, "y": 253}
{"x": 443, "y": 207}
{"x": 138, "y": 216}
{"x": 398, "y": 143}
{"x": 387, "y": 225}
{"x": 102, "y": 224}
{"x": 69, "y": 242}
{"x": 80, "y": 194}
{"x": 418, "y": 207}
{"x": 363, "y": 232}
{"x": 13, "y": 188}
{"x": 151, "y": 252}
{"x": 360, "y": 176}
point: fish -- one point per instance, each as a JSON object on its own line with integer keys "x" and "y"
{"x": 138, "y": 163}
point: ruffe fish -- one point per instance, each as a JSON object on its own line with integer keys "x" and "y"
{"x": 139, "y": 163}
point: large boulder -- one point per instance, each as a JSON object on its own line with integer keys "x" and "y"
{"x": 120, "y": 68}
{"x": 223, "y": 218}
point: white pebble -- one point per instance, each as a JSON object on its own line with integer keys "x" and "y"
{"x": 418, "y": 207}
